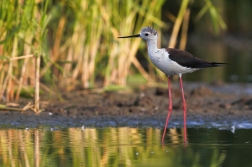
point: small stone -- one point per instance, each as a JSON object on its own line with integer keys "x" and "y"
{"x": 225, "y": 106}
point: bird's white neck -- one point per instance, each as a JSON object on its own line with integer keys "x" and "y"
{"x": 152, "y": 46}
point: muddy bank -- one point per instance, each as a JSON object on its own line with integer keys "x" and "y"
{"x": 208, "y": 105}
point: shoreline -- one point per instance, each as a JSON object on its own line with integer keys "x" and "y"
{"x": 208, "y": 105}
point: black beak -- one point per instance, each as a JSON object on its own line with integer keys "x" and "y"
{"x": 131, "y": 36}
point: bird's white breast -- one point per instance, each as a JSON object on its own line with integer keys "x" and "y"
{"x": 160, "y": 58}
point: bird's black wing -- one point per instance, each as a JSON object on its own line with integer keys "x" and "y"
{"x": 186, "y": 59}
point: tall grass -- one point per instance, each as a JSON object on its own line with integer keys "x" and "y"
{"x": 89, "y": 48}
{"x": 74, "y": 43}
{"x": 124, "y": 51}
{"x": 23, "y": 25}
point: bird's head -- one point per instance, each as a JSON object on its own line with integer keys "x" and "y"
{"x": 147, "y": 33}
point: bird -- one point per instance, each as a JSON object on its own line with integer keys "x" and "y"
{"x": 171, "y": 61}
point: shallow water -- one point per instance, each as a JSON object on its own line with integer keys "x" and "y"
{"x": 124, "y": 146}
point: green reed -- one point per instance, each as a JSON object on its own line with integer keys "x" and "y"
{"x": 74, "y": 43}
{"x": 23, "y": 25}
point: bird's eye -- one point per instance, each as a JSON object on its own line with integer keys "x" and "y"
{"x": 146, "y": 34}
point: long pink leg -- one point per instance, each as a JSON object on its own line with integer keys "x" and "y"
{"x": 184, "y": 107}
{"x": 169, "y": 108}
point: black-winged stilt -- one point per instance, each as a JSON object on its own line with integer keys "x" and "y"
{"x": 172, "y": 62}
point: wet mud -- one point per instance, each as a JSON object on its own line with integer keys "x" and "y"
{"x": 208, "y": 105}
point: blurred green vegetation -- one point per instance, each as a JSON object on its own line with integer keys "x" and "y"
{"x": 78, "y": 45}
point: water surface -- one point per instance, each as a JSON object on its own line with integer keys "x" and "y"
{"x": 124, "y": 146}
